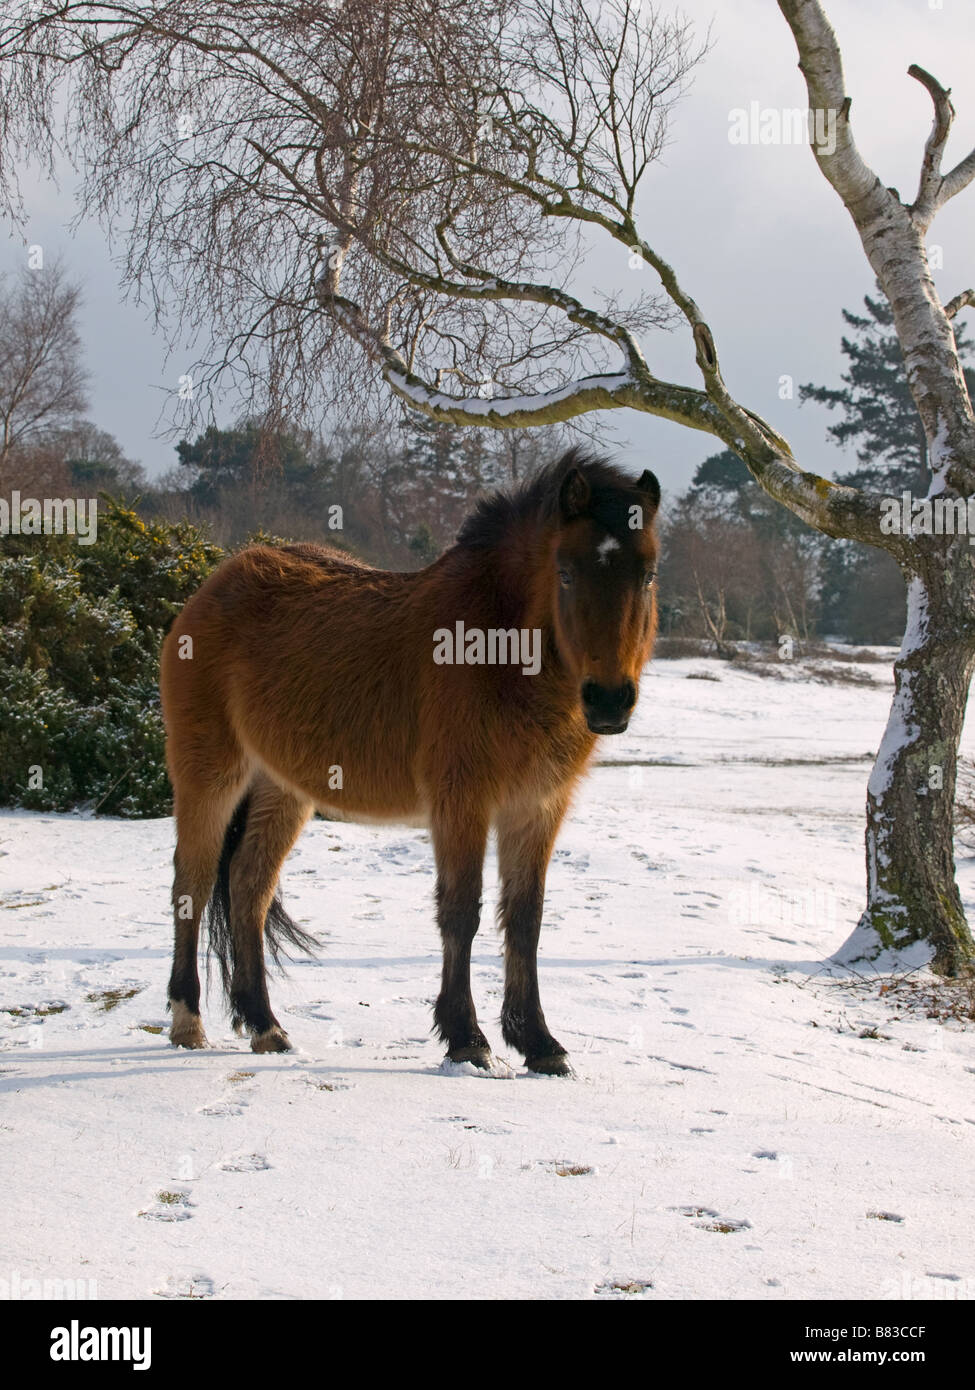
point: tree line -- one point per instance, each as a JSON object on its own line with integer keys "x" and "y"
{"x": 736, "y": 567}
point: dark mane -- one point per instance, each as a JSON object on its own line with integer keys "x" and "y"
{"x": 613, "y": 493}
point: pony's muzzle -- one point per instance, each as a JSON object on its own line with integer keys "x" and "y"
{"x": 608, "y": 709}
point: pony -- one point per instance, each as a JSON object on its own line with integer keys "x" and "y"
{"x": 466, "y": 696}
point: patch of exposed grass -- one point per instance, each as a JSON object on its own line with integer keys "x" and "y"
{"x": 36, "y": 1010}
{"x": 109, "y": 999}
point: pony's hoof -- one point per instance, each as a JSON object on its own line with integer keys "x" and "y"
{"x": 556, "y": 1064}
{"x": 273, "y": 1040}
{"x": 187, "y": 1028}
{"x": 477, "y": 1056}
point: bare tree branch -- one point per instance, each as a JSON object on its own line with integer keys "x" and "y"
{"x": 892, "y": 240}
{"x": 928, "y": 198}
{"x": 961, "y": 301}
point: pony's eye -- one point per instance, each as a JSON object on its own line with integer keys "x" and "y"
{"x": 565, "y": 578}
{"x": 649, "y": 578}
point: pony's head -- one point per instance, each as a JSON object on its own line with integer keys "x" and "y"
{"x": 603, "y": 562}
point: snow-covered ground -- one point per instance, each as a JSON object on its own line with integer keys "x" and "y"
{"x": 742, "y": 1125}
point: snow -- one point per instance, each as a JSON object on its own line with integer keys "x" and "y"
{"x": 902, "y": 730}
{"x": 918, "y": 617}
{"x": 745, "y": 1120}
{"x": 939, "y": 454}
{"x": 505, "y": 405}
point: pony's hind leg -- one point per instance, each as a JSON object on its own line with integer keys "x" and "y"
{"x": 275, "y": 818}
{"x": 525, "y": 840}
{"x": 201, "y": 821}
{"x": 459, "y": 842}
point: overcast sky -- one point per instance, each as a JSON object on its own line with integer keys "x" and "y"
{"x": 755, "y": 232}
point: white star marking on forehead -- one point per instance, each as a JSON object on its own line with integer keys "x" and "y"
{"x": 605, "y": 548}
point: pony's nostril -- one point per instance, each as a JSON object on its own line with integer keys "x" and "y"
{"x": 606, "y": 700}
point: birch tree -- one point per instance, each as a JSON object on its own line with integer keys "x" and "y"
{"x": 416, "y": 178}
{"x": 42, "y": 379}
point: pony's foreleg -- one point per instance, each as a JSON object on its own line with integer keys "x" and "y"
{"x": 525, "y": 843}
{"x": 274, "y": 821}
{"x": 201, "y": 822}
{"x": 459, "y": 842}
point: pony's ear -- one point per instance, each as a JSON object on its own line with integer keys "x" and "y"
{"x": 648, "y": 485}
{"x": 574, "y": 494}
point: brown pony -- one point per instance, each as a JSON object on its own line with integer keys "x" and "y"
{"x": 465, "y": 696}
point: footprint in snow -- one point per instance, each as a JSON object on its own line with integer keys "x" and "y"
{"x": 244, "y": 1163}
{"x": 578, "y": 862}
{"x": 316, "y": 1009}
{"x": 185, "y": 1286}
{"x": 221, "y": 1108}
{"x": 706, "y": 1219}
{"x": 234, "y": 1103}
{"x": 169, "y": 1206}
{"x": 623, "y": 1288}
{"x": 726, "y": 1225}
{"x": 561, "y": 1167}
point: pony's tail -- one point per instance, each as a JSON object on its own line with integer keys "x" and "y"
{"x": 280, "y": 931}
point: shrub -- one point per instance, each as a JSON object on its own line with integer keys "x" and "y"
{"x": 80, "y": 632}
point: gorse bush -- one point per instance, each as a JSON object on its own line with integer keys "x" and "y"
{"x": 80, "y": 633}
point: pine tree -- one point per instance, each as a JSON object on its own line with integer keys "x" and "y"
{"x": 863, "y": 594}
{"x": 879, "y": 413}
